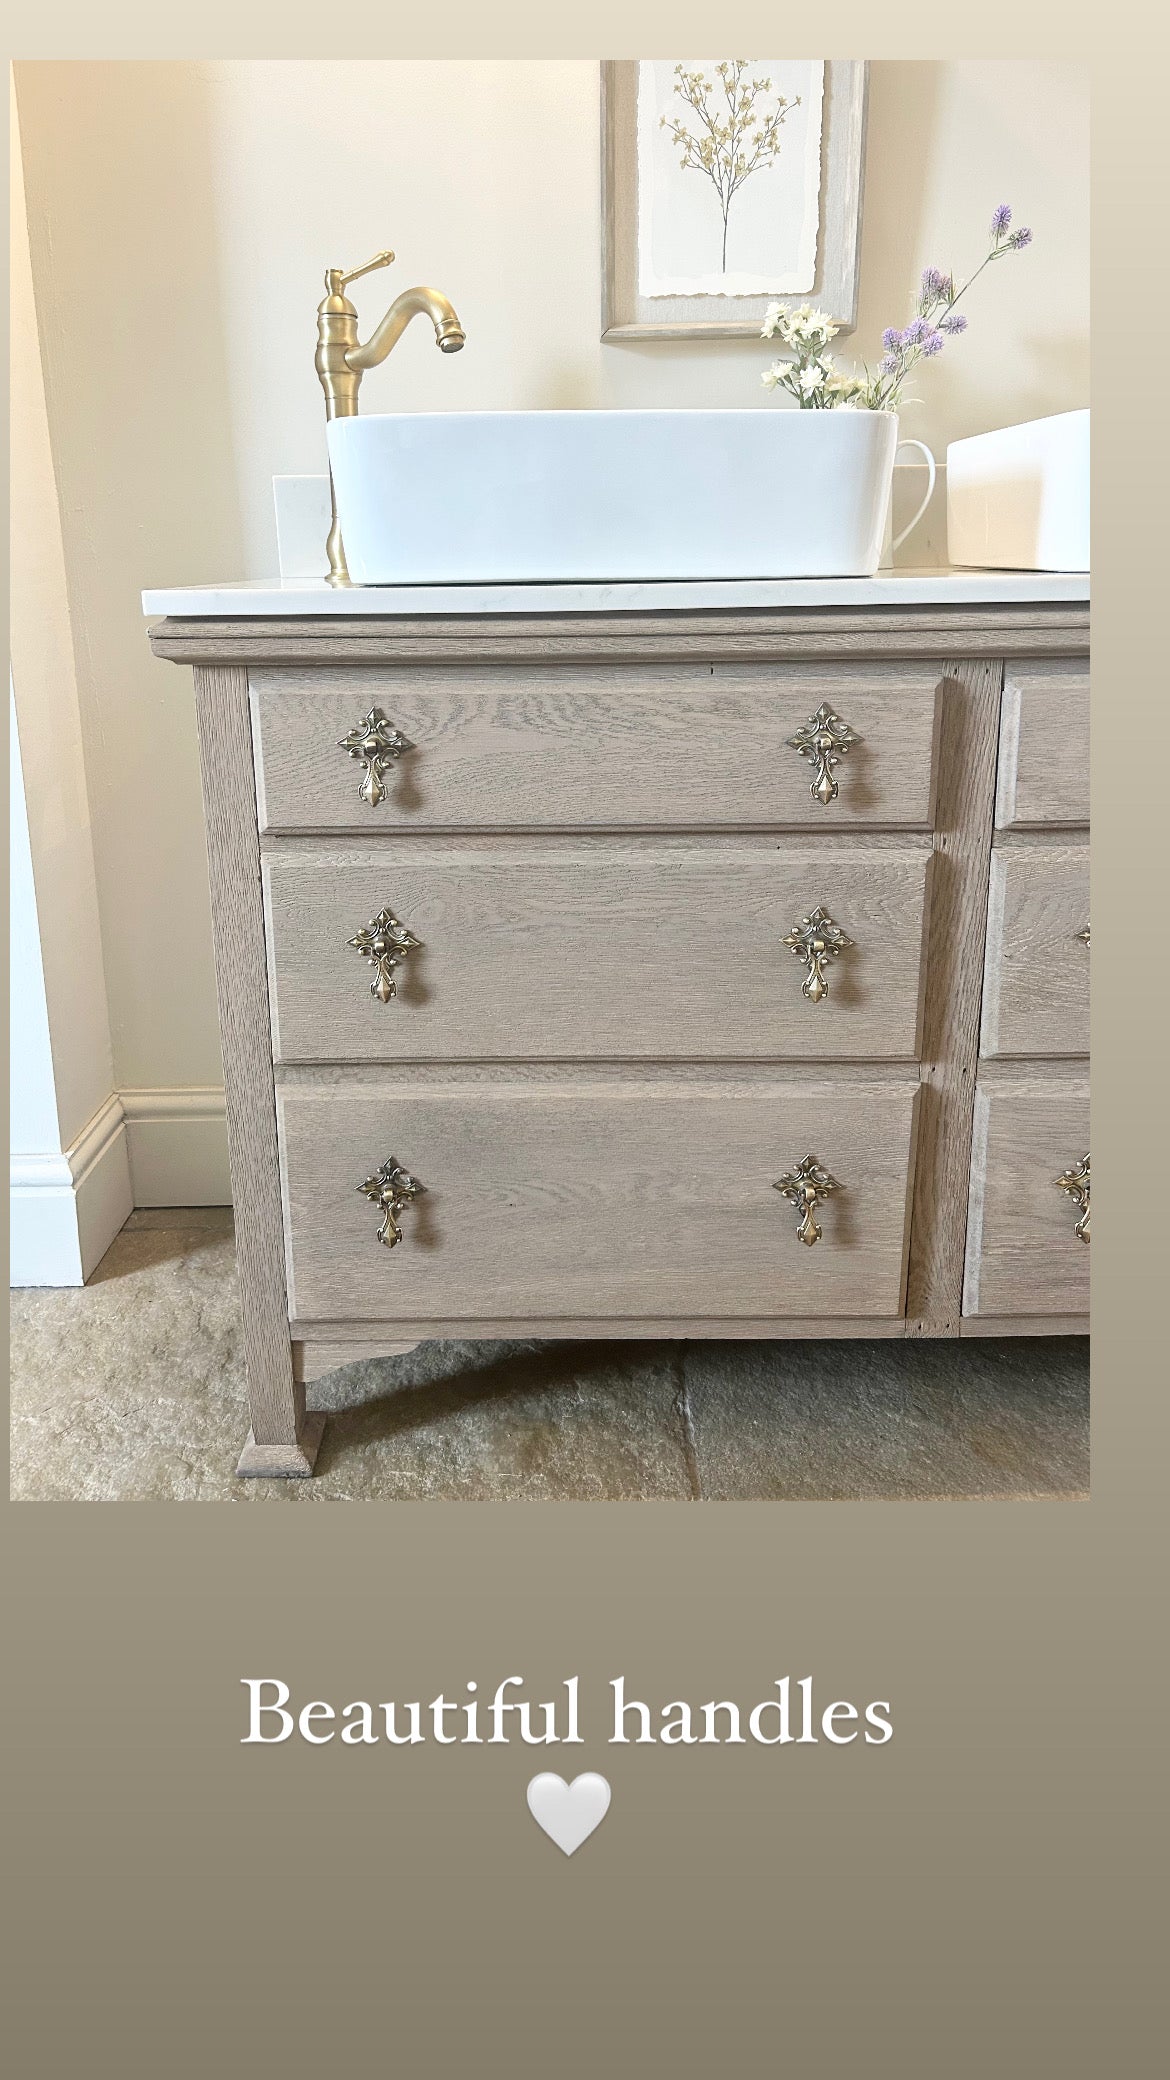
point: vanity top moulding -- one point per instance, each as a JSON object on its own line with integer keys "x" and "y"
{"x": 910, "y": 612}
{"x": 713, "y": 827}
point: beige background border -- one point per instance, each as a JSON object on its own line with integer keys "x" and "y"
{"x": 981, "y": 1895}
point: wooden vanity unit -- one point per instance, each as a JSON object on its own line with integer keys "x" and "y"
{"x": 658, "y": 1022}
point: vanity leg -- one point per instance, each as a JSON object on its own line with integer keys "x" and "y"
{"x": 282, "y": 1461}
{"x": 283, "y": 1440}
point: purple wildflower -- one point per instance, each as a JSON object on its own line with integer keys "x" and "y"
{"x": 953, "y": 322}
{"x": 915, "y": 332}
{"x": 933, "y": 281}
{"x": 1022, "y": 237}
{"x": 1001, "y": 220}
{"x": 888, "y": 365}
{"x": 891, "y": 338}
{"x": 933, "y": 343}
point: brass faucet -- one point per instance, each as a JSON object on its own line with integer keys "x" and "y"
{"x": 341, "y": 360}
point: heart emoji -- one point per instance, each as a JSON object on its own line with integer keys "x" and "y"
{"x": 568, "y": 1813}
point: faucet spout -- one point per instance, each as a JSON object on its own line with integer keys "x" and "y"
{"x": 413, "y": 303}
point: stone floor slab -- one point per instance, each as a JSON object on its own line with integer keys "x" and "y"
{"x": 850, "y": 1421}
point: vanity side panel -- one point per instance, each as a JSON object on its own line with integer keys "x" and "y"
{"x": 276, "y": 1400}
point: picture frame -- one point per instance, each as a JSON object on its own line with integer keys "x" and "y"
{"x": 629, "y": 314}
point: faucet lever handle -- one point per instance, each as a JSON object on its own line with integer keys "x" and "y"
{"x": 336, "y": 280}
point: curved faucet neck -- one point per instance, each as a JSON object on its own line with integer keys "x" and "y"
{"x": 413, "y": 303}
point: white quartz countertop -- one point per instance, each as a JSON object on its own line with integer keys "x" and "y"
{"x": 902, "y": 588}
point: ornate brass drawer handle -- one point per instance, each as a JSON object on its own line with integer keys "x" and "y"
{"x": 391, "y": 1188}
{"x": 384, "y": 943}
{"x": 815, "y": 941}
{"x": 1076, "y": 1183}
{"x": 806, "y": 1186}
{"x": 823, "y": 740}
{"x": 377, "y": 743}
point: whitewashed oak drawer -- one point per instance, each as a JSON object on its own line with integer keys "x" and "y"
{"x": 1024, "y": 1256}
{"x": 595, "y": 1196}
{"x": 588, "y": 746}
{"x": 595, "y": 948}
{"x": 1043, "y": 775}
{"x": 1036, "y": 983}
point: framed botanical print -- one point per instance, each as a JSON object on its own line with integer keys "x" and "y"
{"x": 728, "y": 184}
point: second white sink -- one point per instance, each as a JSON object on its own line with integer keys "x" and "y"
{"x": 525, "y": 497}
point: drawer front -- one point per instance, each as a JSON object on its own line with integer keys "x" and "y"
{"x": 1036, "y": 986}
{"x": 596, "y": 1197}
{"x": 594, "y": 747}
{"x": 1023, "y": 1257}
{"x": 1043, "y": 773}
{"x": 597, "y": 949}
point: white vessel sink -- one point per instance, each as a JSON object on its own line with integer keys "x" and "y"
{"x": 523, "y": 497}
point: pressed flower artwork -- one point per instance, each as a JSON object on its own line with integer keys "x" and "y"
{"x": 728, "y": 183}
{"x": 729, "y": 175}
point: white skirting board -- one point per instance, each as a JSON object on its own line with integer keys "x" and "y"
{"x": 178, "y": 1146}
{"x": 143, "y": 1148}
{"x": 66, "y": 1208}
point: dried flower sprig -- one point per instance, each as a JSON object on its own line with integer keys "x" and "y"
{"x": 734, "y": 140}
{"x": 817, "y": 385}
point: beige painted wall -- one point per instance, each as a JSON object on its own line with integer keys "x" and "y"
{"x": 47, "y": 708}
{"x": 180, "y": 219}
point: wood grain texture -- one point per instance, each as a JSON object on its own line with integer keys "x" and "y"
{"x": 591, "y": 747}
{"x": 314, "y": 1360}
{"x": 628, "y": 315}
{"x": 597, "y": 1198}
{"x": 1049, "y": 628}
{"x": 1022, "y": 1255}
{"x": 346, "y": 1079}
{"x": 347, "y": 1342}
{"x": 1036, "y": 990}
{"x": 1025, "y": 1325}
{"x": 233, "y": 856}
{"x": 958, "y": 917}
{"x": 288, "y": 1462}
{"x": 662, "y": 950}
{"x": 1044, "y": 751}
